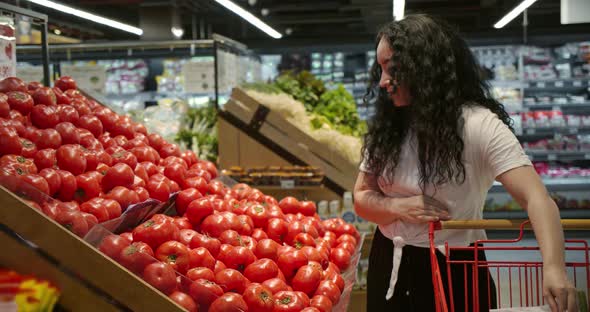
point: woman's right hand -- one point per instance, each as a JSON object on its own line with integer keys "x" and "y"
{"x": 421, "y": 209}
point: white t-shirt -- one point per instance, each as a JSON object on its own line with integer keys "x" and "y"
{"x": 490, "y": 149}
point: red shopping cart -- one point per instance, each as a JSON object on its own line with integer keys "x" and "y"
{"x": 518, "y": 283}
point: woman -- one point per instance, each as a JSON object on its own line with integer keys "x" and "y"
{"x": 436, "y": 144}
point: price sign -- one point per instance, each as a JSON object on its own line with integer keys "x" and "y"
{"x": 559, "y": 84}
{"x": 287, "y": 184}
{"x": 577, "y": 83}
{"x": 540, "y": 85}
{"x": 552, "y": 157}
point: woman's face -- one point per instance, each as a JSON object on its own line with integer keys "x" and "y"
{"x": 384, "y": 55}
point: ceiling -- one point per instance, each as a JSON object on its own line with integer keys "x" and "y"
{"x": 314, "y": 22}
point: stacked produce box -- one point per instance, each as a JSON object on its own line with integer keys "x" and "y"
{"x": 165, "y": 214}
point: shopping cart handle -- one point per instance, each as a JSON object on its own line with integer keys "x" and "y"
{"x": 509, "y": 224}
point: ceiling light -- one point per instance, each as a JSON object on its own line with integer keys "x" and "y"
{"x": 177, "y": 32}
{"x": 289, "y": 31}
{"x": 398, "y": 9}
{"x": 252, "y": 2}
{"x": 88, "y": 16}
{"x": 514, "y": 13}
{"x": 264, "y": 11}
{"x": 250, "y": 18}
{"x": 57, "y": 31}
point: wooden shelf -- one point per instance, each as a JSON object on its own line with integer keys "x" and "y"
{"x": 296, "y": 188}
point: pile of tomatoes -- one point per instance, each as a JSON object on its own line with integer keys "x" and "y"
{"x": 236, "y": 249}
{"x": 226, "y": 249}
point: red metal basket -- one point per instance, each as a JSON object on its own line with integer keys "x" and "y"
{"x": 518, "y": 283}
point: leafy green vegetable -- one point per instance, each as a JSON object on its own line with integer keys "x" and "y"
{"x": 201, "y": 132}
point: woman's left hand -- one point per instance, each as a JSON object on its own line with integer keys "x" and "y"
{"x": 558, "y": 290}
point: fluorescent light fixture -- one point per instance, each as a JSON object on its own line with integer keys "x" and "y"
{"x": 177, "y": 32}
{"x": 514, "y": 13}
{"x": 398, "y": 9}
{"x": 250, "y": 18}
{"x": 88, "y": 16}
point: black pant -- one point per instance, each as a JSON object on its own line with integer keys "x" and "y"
{"x": 414, "y": 290}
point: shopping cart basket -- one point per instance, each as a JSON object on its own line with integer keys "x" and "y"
{"x": 518, "y": 283}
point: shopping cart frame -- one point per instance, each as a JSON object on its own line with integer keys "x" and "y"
{"x": 500, "y": 224}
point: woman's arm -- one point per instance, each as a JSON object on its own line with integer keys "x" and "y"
{"x": 372, "y": 205}
{"x": 528, "y": 190}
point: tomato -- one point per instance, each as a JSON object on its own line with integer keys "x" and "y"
{"x": 37, "y": 182}
{"x": 204, "y": 292}
{"x": 60, "y": 97}
{"x": 267, "y": 248}
{"x": 200, "y": 272}
{"x": 127, "y": 235}
{"x": 124, "y": 196}
{"x": 159, "y": 189}
{"x": 210, "y": 167}
{"x": 277, "y": 230}
{"x": 289, "y": 205}
{"x": 330, "y": 290}
{"x": 288, "y": 301}
{"x": 53, "y": 179}
{"x": 169, "y": 150}
{"x": 68, "y": 133}
{"x": 303, "y": 297}
{"x": 65, "y": 83}
{"x": 88, "y": 186}
{"x": 307, "y": 279}
{"x": 310, "y": 309}
{"x": 184, "y": 198}
{"x": 167, "y": 161}
{"x": 335, "y": 278}
{"x": 231, "y": 280}
{"x": 189, "y": 157}
{"x": 118, "y": 175}
{"x": 183, "y": 224}
{"x": 9, "y": 141}
{"x": 125, "y": 157}
{"x": 261, "y": 270}
{"x": 175, "y": 172}
{"x": 348, "y": 246}
{"x": 213, "y": 225}
{"x": 47, "y": 138}
{"x": 112, "y": 245}
{"x": 211, "y": 244}
{"x": 175, "y": 254}
{"x": 156, "y": 231}
{"x": 70, "y": 157}
{"x": 136, "y": 257}
{"x": 72, "y": 220}
{"x": 4, "y": 107}
{"x": 94, "y": 207}
{"x": 313, "y": 254}
{"x": 259, "y": 298}
{"x": 44, "y": 96}
{"x": 230, "y": 237}
{"x": 198, "y": 210}
{"x": 122, "y": 128}
{"x": 238, "y": 258}
{"x": 156, "y": 141}
{"x": 12, "y": 84}
{"x": 307, "y": 208}
{"x": 145, "y": 153}
{"x": 290, "y": 262}
{"x": 259, "y": 215}
{"x": 161, "y": 276}
{"x": 45, "y": 158}
{"x": 259, "y": 234}
{"x": 20, "y": 101}
{"x": 184, "y": 301}
{"x": 17, "y": 165}
{"x": 201, "y": 257}
{"x": 29, "y": 149}
{"x": 276, "y": 284}
{"x": 68, "y": 186}
{"x": 340, "y": 257}
{"x": 142, "y": 193}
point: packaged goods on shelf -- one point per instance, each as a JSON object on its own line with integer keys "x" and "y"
{"x": 546, "y": 170}
{"x": 560, "y": 143}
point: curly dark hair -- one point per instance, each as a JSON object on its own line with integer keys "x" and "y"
{"x": 442, "y": 76}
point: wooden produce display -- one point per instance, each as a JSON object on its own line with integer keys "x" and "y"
{"x": 89, "y": 280}
{"x": 273, "y": 127}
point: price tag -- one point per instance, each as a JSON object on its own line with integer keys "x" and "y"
{"x": 559, "y": 84}
{"x": 540, "y": 85}
{"x": 530, "y": 131}
{"x": 552, "y": 157}
{"x": 577, "y": 83}
{"x": 287, "y": 184}
{"x": 573, "y": 130}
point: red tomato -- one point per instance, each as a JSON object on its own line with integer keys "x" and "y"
{"x": 12, "y": 84}
{"x": 45, "y": 96}
{"x": 201, "y": 257}
{"x": 330, "y": 290}
{"x": 229, "y": 302}
{"x": 20, "y": 101}
{"x": 37, "y": 182}
{"x": 204, "y": 292}
{"x": 259, "y": 234}
{"x": 259, "y": 298}
{"x": 259, "y": 215}
{"x": 68, "y": 133}
{"x": 304, "y": 297}
{"x": 73, "y": 221}
{"x": 9, "y": 141}
{"x": 71, "y": 158}
{"x": 213, "y": 225}
{"x": 310, "y": 309}
{"x": 288, "y": 301}
{"x": 156, "y": 231}
{"x": 112, "y": 245}
{"x": 277, "y": 230}
{"x": 210, "y": 167}
{"x": 169, "y": 150}
{"x": 276, "y": 284}
{"x": 248, "y": 242}
{"x": 68, "y": 186}
{"x": 124, "y": 196}
{"x": 335, "y": 278}
{"x": 47, "y": 138}
{"x": 190, "y": 157}
{"x": 290, "y": 262}
{"x": 289, "y": 205}
{"x": 340, "y": 257}
{"x": 167, "y": 161}
{"x": 60, "y": 97}
{"x": 95, "y": 208}
{"x": 92, "y": 124}
{"x": 156, "y": 141}
{"x": 307, "y": 279}
{"x": 307, "y": 208}
{"x": 211, "y": 244}
{"x": 184, "y": 198}
{"x": 142, "y": 193}
{"x": 237, "y": 258}
{"x": 231, "y": 280}
{"x": 159, "y": 190}
{"x": 183, "y": 224}
{"x": 65, "y": 83}
{"x": 88, "y": 186}
{"x": 230, "y": 237}
{"x": 43, "y": 116}
{"x": 53, "y": 180}
{"x": 198, "y": 210}
{"x": 200, "y": 272}
{"x": 175, "y": 254}
{"x": 314, "y": 255}
{"x": 4, "y": 107}
{"x": 184, "y": 301}
{"x": 125, "y": 157}
{"x": 348, "y": 246}
{"x": 161, "y": 276}
{"x": 175, "y": 172}
{"x": 261, "y": 270}
{"x": 136, "y": 257}
{"x": 127, "y": 235}
{"x": 146, "y": 153}
{"x": 267, "y": 248}
{"x": 118, "y": 175}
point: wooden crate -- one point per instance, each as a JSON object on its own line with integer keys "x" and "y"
{"x": 292, "y": 139}
{"x": 68, "y": 252}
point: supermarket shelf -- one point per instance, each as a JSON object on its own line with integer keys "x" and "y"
{"x": 507, "y": 83}
{"x": 567, "y": 108}
{"x": 557, "y": 84}
{"x": 521, "y": 214}
{"x": 535, "y": 133}
{"x": 555, "y": 184}
{"x": 558, "y": 155}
